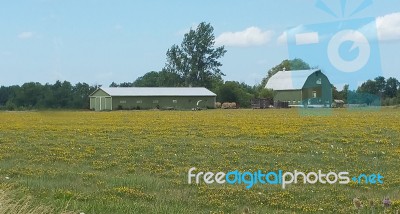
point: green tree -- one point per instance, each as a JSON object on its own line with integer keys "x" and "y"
{"x": 63, "y": 93}
{"x": 380, "y": 84}
{"x": 80, "y": 97}
{"x": 392, "y": 84}
{"x": 266, "y": 93}
{"x": 196, "y": 59}
{"x": 369, "y": 87}
{"x": 336, "y": 94}
{"x": 49, "y": 99}
{"x": 29, "y": 94}
{"x": 169, "y": 79}
{"x": 340, "y": 95}
{"x": 232, "y": 91}
{"x": 345, "y": 92}
{"x": 113, "y": 85}
{"x": 228, "y": 93}
{"x": 7, "y": 93}
{"x": 398, "y": 96}
{"x": 7, "y": 97}
{"x": 150, "y": 79}
{"x": 126, "y": 84}
{"x": 33, "y": 95}
{"x": 158, "y": 79}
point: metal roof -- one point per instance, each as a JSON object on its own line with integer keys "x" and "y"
{"x": 289, "y": 80}
{"x": 157, "y": 91}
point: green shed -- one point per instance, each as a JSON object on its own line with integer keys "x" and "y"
{"x": 124, "y": 98}
{"x": 301, "y": 87}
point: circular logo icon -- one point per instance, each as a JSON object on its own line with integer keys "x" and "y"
{"x": 339, "y": 58}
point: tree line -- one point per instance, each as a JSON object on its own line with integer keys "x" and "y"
{"x": 379, "y": 91}
{"x": 64, "y": 95}
{"x": 34, "y": 95}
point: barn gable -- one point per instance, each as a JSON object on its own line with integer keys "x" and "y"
{"x": 99, "y": 92}
{"x": 301, "y": 87}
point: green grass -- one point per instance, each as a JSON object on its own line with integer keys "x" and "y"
{"x": 137, "y": 161}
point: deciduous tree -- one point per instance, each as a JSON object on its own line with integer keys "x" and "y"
{"x": 196, "y": 59}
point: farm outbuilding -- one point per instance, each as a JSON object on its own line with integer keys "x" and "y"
{"x": 301, "y": 87}
{"x": 338, "y": 104}
{"x": 124, "y": 98}
{"x": 261, "y": 103}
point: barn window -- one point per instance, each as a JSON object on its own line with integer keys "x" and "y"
{"x": 294, "y": 102}
{"x": 314, "y": 94}
{"x": 319, "y": 82}
{"x": 138, "y": 101}
{"x": 155, "y": 101}
{"x": 122, "y": 101}
{"x": 174, "y": 101}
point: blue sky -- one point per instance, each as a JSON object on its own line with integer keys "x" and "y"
{"x": 98, "y": 41}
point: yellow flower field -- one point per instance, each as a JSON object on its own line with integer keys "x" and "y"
{"x": 138, "y": 161}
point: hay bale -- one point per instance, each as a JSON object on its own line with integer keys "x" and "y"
{"x": 232, "y": 105}
{"x": 228, "y": 105}
{"x": 225, "y": 105}
{"x": 218, "y": 105}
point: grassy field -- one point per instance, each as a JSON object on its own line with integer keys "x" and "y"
{"x": 137, "y": 161}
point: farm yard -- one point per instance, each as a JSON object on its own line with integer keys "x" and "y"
{"x": 138, "y": 161}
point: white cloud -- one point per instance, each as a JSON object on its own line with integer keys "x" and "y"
{"x": 307, "y": 38}
{"x": 25, "y": 35}
{"x": 252, "y": 36}
{"x": 282, "y": 39}
{"x": 388, "y": 27}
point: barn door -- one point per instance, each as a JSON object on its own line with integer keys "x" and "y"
{"x": 107, "y": 104}
{"x": 97, "y": 104}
